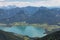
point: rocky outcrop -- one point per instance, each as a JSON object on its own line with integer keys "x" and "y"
{"x": 9, "y": 36}
{"x": 52, "y": 36}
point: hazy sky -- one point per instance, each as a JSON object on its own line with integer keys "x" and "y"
{"x": 23, "y": 0}
{"x": 23, "y": 3}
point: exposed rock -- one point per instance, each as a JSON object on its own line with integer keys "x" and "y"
{"x": 52, "y": 36}
{"x": 9, "y": 36}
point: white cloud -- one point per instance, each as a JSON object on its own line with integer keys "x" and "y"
{"x": 48, "y": 3}
{"x": 15, "y": 3}
{"x": 2, "y": 0}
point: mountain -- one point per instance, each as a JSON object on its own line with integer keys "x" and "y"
{"x": 45, "y": 15}
{"x": 9, "y": 36}
{"x": 30, "y": 14}
{"x": 30, "y": 10}
{"x": 52, "y": 36}
{"x": 12, "y": 36}
{"x": 6, "y": 13}
{"x": 14, "y": 16}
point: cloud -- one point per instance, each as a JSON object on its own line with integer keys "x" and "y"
{"x": 21, "y": 4}
{"x": 49, "y": 3}
{"x": 27, "y": 0}
{"x": 2, "y": 0}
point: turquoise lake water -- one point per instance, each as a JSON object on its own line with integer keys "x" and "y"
{"x": 28, "y": 30}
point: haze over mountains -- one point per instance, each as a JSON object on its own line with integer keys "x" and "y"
{"x": 30, "y": 14}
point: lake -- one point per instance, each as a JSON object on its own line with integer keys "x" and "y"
{"x": 30, "y": 31}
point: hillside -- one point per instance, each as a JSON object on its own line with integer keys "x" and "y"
{"x": 52, "y": 36}
{"x": 28, "y": 14}
{"x": 8, "y": 36}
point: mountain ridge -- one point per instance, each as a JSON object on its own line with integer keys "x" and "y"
{"x": 32, "y": 15}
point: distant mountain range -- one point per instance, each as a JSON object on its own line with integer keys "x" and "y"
{"x": 30, "y": 14}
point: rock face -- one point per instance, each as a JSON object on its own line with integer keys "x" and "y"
{"x": 52, "y": 36}
{"x": 8, "y": 36}
{"x": 11, "y": 36}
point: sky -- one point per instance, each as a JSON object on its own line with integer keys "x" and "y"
{"x": 37, "y": 3}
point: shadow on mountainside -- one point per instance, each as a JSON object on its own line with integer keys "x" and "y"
{"x": 10, "y": 36}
